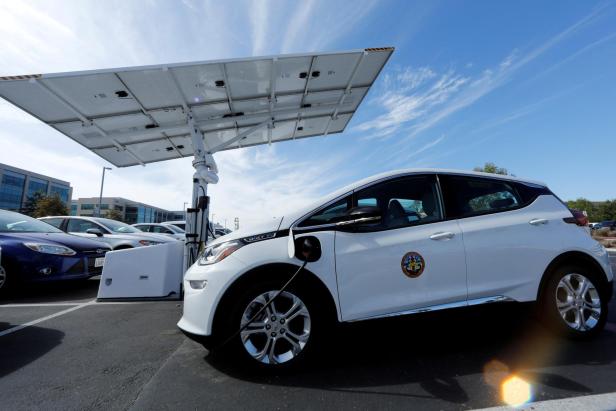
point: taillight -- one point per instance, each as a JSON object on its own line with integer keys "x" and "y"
{"x": 579, "y": 218}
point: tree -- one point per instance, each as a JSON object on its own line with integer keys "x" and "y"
{"x": 30, "y": 204}
{"x": 114, "y": 215}
{"x": 583, "y": 204}
{"x": 490, "y": 167}
{"x": 50, "y": 205}
{"x": 606, "y": 210}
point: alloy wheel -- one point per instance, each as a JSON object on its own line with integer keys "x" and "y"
{"x": 578, "y": 302}
{"x": 281, "y": 331}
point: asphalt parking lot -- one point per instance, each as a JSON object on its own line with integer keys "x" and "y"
{"x": 59, "y": 349}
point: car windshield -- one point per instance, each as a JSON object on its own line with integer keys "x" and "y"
{"x": 175, "y": 229}
{"x": 18, "y": 223}
{"x": 117, "y": 226}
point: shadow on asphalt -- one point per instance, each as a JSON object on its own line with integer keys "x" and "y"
{"x": 15, "y": 354}
{"x": 435, "y": 350}
{"x": 53, "y": 292}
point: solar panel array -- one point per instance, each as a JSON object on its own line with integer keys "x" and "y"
{"x": 138, "y": 115}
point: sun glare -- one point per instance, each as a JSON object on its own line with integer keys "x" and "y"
{"x": 515, "y": 391}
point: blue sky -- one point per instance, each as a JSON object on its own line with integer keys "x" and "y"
{"x": 528, "y": 85}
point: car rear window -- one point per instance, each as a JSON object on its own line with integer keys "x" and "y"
{"x": 471, "y": 196}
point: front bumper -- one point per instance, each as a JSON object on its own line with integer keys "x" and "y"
{"x": 46, "y": 267}
{"x": 200, "y": 305}
{"x": 207, "y": 341}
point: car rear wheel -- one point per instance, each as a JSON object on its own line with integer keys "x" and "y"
{"x": 281, "y": 336}
{"x": 574, "y": 302}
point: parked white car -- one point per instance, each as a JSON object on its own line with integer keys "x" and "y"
{"x": 181, "y": 224}
{"x": 165, "y": 229}
{"x": 116, "y": 234}
{"x": 398, "y": 243}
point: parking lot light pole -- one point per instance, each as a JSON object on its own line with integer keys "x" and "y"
{"x": 100, "y": 197}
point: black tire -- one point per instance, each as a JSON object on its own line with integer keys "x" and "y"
{"x": 5, "y": 282}
{"x": 553, "y": 293}
{"x": 233, "y": 349}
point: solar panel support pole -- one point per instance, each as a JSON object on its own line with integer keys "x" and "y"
{"x": 197, "y": 218}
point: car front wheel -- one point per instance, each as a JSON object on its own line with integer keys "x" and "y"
{"x": 280, "y": 336}
{"x": 574, "y": 302}
{"x": 4, "y": 281}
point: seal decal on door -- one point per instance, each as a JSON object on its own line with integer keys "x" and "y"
{"x": 413, "y": 264}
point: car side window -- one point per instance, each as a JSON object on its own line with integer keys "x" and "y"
{"x": 470, "y": 196}
{"x": 160, "y": 230}
{"x": 329, "y": 214}
{"x": 56, "y": 222}
{"x": 80, "y": 226}
{"x": 403, "y": 202}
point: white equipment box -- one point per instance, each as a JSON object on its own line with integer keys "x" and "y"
{"x": 144, "y": 272}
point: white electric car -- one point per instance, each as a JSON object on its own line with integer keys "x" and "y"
{"x": 398, "y": 243}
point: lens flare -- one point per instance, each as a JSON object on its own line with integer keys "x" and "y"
{"x": 516, "y": 391}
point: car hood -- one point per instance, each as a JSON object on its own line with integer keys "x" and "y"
{"x": 72, "y": 241}
{"x": 267, "y": 226}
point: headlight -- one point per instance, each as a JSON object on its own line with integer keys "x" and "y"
{"x": 50, "y": 249}
{"x": 219, "y": 252}
{"x": 148, "y": 242}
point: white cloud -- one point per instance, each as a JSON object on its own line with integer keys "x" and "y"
{"x": 297, "y": 24}
{"x": 259, "y": 20}
{"x": 428, "y": 145}
{"x": 410, "y": 95}
{"x": 260, "y": 184}
{"x": 416, "y": 99}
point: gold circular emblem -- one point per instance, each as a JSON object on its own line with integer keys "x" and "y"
{"x": 413, "y": 264}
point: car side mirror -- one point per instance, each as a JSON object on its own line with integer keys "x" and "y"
{"x": 94, "y": 231}
{"x": 361, "y": 215}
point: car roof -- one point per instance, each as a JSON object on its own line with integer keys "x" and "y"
{"x": 100, "y": 220}
{"x": 410, "y": 171}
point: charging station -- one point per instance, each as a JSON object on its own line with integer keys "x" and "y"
{"x": 140, "y": 115}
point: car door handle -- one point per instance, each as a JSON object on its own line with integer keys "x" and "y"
{"x": 538, "y": 221}
{"x": 442, "y": 236}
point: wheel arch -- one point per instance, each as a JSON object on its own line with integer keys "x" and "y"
{"x": 279, "y": 271}
{"x": 571, "y": 257}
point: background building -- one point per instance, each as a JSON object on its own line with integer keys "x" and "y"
{"x": 17, "y": 185}
{"x": 132, "y": 211}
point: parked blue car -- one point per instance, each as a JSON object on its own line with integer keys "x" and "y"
{"x": 34, "y": 251}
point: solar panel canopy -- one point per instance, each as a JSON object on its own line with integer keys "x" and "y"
{"x": 139, "y": 115}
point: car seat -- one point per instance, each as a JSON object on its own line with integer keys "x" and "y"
{"x": 395, "y": 216}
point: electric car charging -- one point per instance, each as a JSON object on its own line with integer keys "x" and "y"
{"x": 268, "y": 296}
{"x": 433, "y": 237}
{"x": 308, "y": 205}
